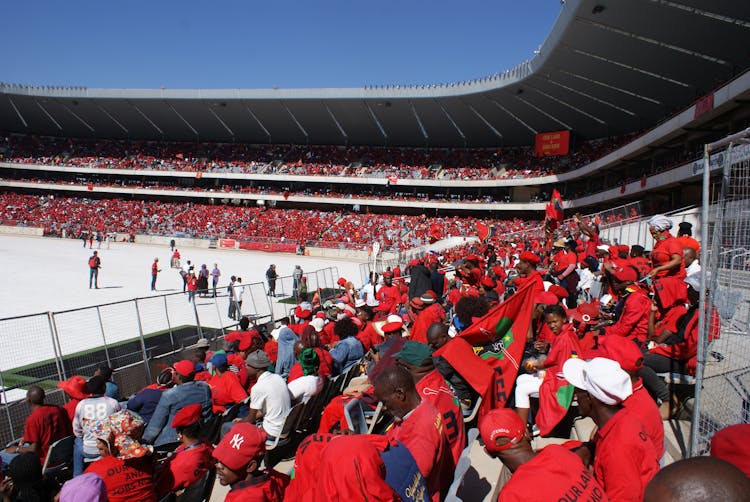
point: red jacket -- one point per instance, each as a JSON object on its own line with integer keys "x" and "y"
{"x": 633, "y": 322}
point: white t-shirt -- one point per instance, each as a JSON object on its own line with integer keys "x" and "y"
{"x": 270, "y": 395}
{"x": 303, "y": 388}
{"x": 88, "y": 412}
{"x": 586, "y": 279}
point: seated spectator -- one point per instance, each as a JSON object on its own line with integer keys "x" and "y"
{"x": 698, "y": 479}
{"x": 310, "y": 384}
{"x": 552, "y": 473}
{"x": 45, "y": 424}
{"x": 437, "y": 336}
{"x": 113, "y": 390}
{"x": 89, "y": 412}
{"x": 348, "y": 349}
{"x": 88, "y": 487}
{"x": 285, "y": 358}
{"x": 125, "y": 464}
{"x": 310, "y": 340}
{"x": 74, "y": 388}
{"x": 24, "y": 481}
{"x": 269, "y": 397}
{"x": 186, "y": 391}
{"x": 191, "y": 460}
{"x": 418, "y": 425}
{"x": 144, "y": 402}
{"x": 225, "y": 386}
{"x": 238, "y": 457}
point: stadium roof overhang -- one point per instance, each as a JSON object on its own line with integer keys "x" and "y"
{"x": 607, "y": 68}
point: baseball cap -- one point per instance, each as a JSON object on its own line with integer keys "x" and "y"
{"x": 184, "y": 367}
{"x": 187, "y": 415}
{"x": 244, "y": 442}
{"x": 624, "y": 351}
{"x": 392, "y": 323}
{"x": 219, "y": 359}
{"x": 318, "y": 324}
{"x": 501, "y": 423}
{"x": 601, "y": 377}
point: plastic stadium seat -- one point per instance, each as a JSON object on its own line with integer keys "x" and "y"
{"x": 462, "y": 467}
{"x": 355, "y": 417}
{"x": 59, "y": 461}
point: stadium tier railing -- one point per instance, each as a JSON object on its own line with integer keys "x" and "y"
{"x": 135, "y": 337}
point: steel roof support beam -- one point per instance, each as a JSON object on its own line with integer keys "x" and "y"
{"x": 79, "y": 118}
{"x": 18, "y": 112}
{"x": 377, "y": 122}
{"x": 705, "y": 13}
{"x": 257, "y": 120}
{"x": 231, "y": 133}
{"x": 612, "y": 87}
{"x": 419, "y": 123}
{"x": 518, "y": 119}
{"x": 486, "y": 122}
{"x": 48, "y": 114}
{"x": 455, "y": 126}
{"x": 548, "y": 115}
{"x": 148, "y": 119}
{"x": 565, "y": 103}
{"x": 631, "y": 68}
{"x": 335, "y": 121}
{"x": 307, "y": 136}
{"x": 105, "y": 112}
{"x": 589, "y": 96}
{"x": 197, "y": 136}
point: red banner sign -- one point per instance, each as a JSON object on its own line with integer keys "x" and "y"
{"x": 705, "y": 104}
{"x": 271, "y": 247}
{"x": 227, "y": 243}
{"x": 552, "y": 143}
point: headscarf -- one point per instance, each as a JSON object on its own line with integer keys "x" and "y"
{"x": 285, "y": 359}
{"x": 122, "y": 432}
{"x": 660, "y": 222}
{"x": 309, "y": 361}
{"x": 84, "y": 488}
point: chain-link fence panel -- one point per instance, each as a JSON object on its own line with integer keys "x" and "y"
{"x": 80, "y": 340}
{"x": 182, "y": 319}
{"x": 256, "y": 303}
{"x": 159, "y": 337}
{"x": 723, "y": 361}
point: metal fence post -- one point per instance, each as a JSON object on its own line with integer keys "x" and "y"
{"x": 7, "y": 407}
{"x": 197, "y": 319}
{"x": 218, "y": 313}
{"x": 169, "y": 324}
{"x": 56, "y": 347}
{"x": 104, "y": 338}
{"x": 143, "y": 340}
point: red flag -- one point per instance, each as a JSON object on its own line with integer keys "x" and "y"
{"x": 436, "y": 233}
{"x": 557, "y": 204}
{"x": 555, "y": 393}
{"x": 483, "y": 231}
{"x": 487, "y": 353}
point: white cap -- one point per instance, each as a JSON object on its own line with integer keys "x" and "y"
{"x": 602, "y": 247}
{"x": 318, "y": 324}
{"x": 602, "y": 378}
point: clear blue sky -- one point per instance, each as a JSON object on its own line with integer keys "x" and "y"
{"x": 252, "y": 44}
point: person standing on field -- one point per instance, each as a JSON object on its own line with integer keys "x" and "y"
{"x": 154, "y": 271}
{"x": 95, "y": 263}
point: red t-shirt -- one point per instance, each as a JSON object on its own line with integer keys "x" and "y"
{"x": 266, "y": 488}
{"x": 422, "y": 433}
{"x": 126, "y": 480}
{"x": 591, "y": 245}
{"x": 434, "y": 389}
{"x": 562, "y": 260}
{"x": 633, "y": 322}
{"x": 389, "y": 297}
{"x": 644, "y": 408}
{"x": 184, "y": 468}
{"x": 642, "y": 264}
{"x": 70, "y": 407}
{"x": 662, "y": 253}
{"x": 45, "y": 425}
{"x": 555, "y": 473}
{"x": 625, "y": 459}
{"x": 225, "y": 389}
{"x": 418, "y": 331}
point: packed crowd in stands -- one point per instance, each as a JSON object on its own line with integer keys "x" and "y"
{"x": 381, "y": 162}
{"x": 328, "y": 229}
{"x": 422, "y": 344}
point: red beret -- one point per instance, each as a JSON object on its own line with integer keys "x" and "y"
{"x": 546, "y": 298}
{"x": 529, "y": 257}
{"x": 731, "y": 444}
{"x": 187, "y": 415}
{"x": 558, "y": 291}
{"x": 624, "y": 351}
{"x": 184, "y": 367}
{"x": 488, "y": 282}
{"x": 625, "y": 274}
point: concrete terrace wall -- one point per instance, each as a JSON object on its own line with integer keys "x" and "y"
{"x": 28, "y": 231}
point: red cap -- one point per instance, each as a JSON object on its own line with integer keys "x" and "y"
{"x": 529, "y": 257}
{"x": 187, "y": 415}
{"x": 488, "y": 282}
{"x": 624, "y": 351}
{"x": 584, "y": 314}
{"x": 388, "y": 273}
{"x": 559, "y": 291}
{"x": 341, "y": 282}
{"x": 244, "y": 442}
{"x": 546, "y": 298}
{"x": 731, "y": 444}
{"x": 302, "y": 313}
{"x": 185, "y": 367}
{"x": 501, "y": 423}
{"x": 625, "y": 274}
{"x": 416, "y": 303}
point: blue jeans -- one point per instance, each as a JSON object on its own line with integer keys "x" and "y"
{"x": 79, "y": 456}
{"x": 93, "y": 276}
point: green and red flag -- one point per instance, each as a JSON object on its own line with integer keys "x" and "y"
{"x": 483, "y": 231}
{"x": 488, "y": 353}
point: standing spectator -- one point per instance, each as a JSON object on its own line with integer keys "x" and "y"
{"x": 437, "y": 279}
{"x": 89, "y": 411}
{"x": 203, "y": 281}
{"x": 186, "y": 391}
{"x": 271, "y": 276}
{"x": 45, "y": 424}
{"x": 215, "y": 274}
{"x": 154, "y": 271}
{"x": 95, "y": 263}
{"x": 232, "y": 303}
{"x": 421, "y": 280}
{"x": 192, "y": 285}
{"x": 171, "y": 244}
{"x": 239, "y": 291}
{"x": 296, "y": 278}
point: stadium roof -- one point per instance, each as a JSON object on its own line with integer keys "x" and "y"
{"x": 607, "y": 68}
